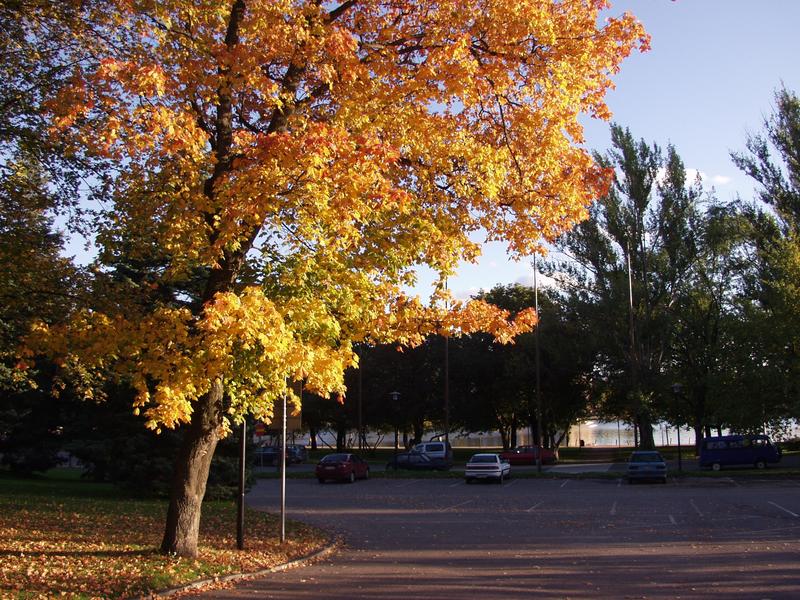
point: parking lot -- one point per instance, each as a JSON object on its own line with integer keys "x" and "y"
{"x": 548, "y": 538}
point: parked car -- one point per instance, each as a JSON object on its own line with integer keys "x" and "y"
{"x": 487, "y": 466}
{"x": 526, "y": 455}
{"x": 647, "y": 464}
{"x": 725, "y": 450}
{"x": 441, "y": 450}
{"x": 342, "y": 467}
{"x": 418, "y": 461}
{"x": 267, "y": 456}
{"x": 270, "y": 456}
{"x": 296, "y": 453}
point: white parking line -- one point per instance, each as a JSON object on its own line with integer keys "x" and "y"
{"x": 456, "y": 484}
{"x": 733, "y": 481}
{"x": 613, "y": 509}
{"x": 694, "y": 506}
{"x": 455, "y": 505}
{"x": 537, "y": 505}
{"x": 510, "y": 483}
{"x": 566, "y": 481}
{"x": 672, "y": 520}
{"x": 786, "y": 510}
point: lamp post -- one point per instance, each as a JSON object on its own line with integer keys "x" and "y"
{"x": 632, "y": 366}
{"x": 395, "y": 396}
{"x": 676, "y": 390}
{"x": 360, "y": 392}
{"x": 446, "y": 384}
{"x": 538, "y": 376}
{"x": 242, "y": 478}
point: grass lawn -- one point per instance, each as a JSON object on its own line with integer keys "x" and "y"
{"x": 63, "y": 537}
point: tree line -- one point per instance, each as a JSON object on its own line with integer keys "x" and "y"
{"x": 666, "y": 304}
{"x": 262, "y": 181}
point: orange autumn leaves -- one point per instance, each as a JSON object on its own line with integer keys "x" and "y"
{"x": 65, "y": 546}
{"x": 335, "y": 148}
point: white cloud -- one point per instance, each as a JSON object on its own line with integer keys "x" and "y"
{"x": 693, "y": 174}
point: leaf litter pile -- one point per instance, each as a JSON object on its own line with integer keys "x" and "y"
{"x": 79, "y": 545}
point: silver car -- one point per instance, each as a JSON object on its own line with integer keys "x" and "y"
{"x": 487, "y": 466}
{"x": 647, "y": 464}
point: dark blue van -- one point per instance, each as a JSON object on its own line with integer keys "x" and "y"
{"x": 726, "y": 450}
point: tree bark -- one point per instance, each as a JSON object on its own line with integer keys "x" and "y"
{"x": 645, "y": 426}
{"x": 341, "y": 438}
{"x": 191, "y": 474}
{"x": 312, "y": 434}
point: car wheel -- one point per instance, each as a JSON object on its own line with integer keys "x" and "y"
{"x": 716, "y": 466}
{"x": 664, "y": 480}
{"x": 352, "y": 477}
{"x": 366, "y": 474}
{"x": 500, "y": 479}
{"x": 320, "y": 479}
{"x": 631, "y": 481}
{"x": 761, "y": 464}
{"x": 468, "y": 480}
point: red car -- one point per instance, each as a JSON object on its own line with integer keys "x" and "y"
{"x": 526, "y": 455}
{"x": 342, "y": 467}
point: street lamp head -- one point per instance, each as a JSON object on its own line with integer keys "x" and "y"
{"x": 395, "y": 396}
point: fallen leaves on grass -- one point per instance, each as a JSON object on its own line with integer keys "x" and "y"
{"x": 83, "y": 547}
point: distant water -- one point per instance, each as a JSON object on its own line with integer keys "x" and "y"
{"x": 593, "y": 434}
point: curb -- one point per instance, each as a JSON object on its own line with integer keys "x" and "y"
{"x": 299, "y": 562}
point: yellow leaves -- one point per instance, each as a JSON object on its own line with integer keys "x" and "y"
{"x": 173, "y": 358}
{"x": 61, "y": 545}
{"x": 357, "y": 146}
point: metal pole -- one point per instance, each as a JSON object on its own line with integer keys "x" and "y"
{"x": 240, "y": 500}
{"x": 283, "y": 473}
{"x": 446, "y": 387}
{"x": 676, "y": 390}
{"x": 360, "y": 391}
{"x": 538, "y": 377}
{"x": 395, "y": 396}
{"x": 633, "y": 366}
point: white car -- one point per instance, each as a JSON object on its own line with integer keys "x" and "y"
{"x": 436, "y": 450}
{"x": 487, "y": 466}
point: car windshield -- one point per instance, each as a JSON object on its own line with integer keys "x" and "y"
{"x": 483, "y": 458}
{"x": 646, "y": 457}
{"x": 335, "y": 458}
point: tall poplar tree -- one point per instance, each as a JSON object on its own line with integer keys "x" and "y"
{"x": 632, "y": 258}
{"x": 772, "y": 159}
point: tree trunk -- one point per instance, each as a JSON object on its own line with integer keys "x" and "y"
{"x": 512, "y": 437}
{"x": 419, "y": 431}
{"x": 645, "y": 426}
{"x": 698, "y": 437}
{"x": 312, "y": 434}
{"x": 341, "y": 438}
{"x": 191, "y": 474}
{"x": 504, "y": 437}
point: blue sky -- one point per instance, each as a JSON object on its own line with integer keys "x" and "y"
{"x": 708, "y": 80}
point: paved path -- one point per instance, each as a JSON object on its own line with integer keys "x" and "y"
{"x": 441, "y": 539}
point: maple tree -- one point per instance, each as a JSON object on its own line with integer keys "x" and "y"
{"x": 290, "y": 163}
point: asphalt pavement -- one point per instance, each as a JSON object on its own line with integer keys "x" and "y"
{"x": 442, "y": 539}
